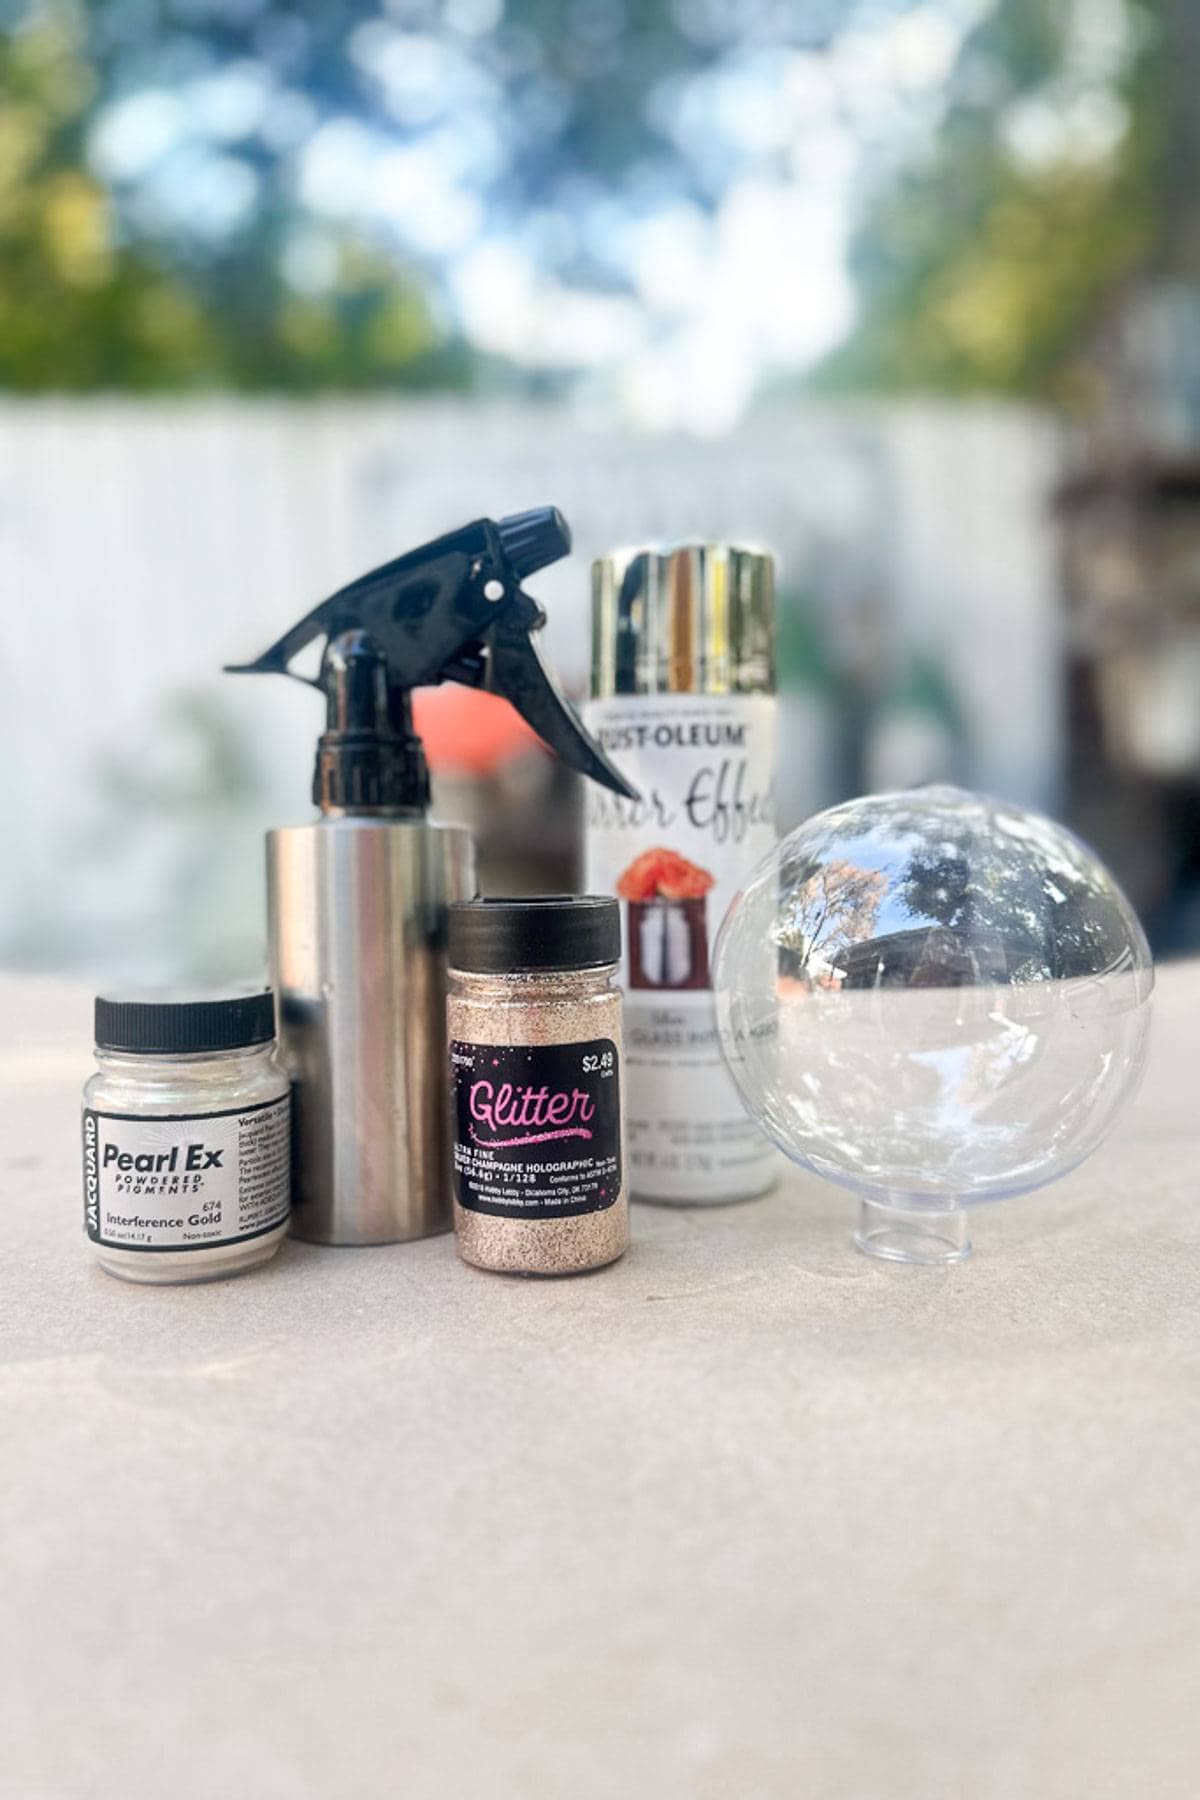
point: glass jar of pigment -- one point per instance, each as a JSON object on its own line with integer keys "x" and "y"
{"x": 536, "y": 1104}
{"x": 186, "y": 1155}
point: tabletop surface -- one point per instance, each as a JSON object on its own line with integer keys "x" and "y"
{"x": 745, "y": 1515}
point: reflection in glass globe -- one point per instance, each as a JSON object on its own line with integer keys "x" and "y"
{"x": 934, "y": 999}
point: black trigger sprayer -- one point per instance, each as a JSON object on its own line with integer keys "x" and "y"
{"x": 357, "y": 899}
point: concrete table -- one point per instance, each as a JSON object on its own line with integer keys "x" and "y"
{"x": 746, "y": 1516}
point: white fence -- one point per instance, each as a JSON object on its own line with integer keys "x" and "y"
{"x": 143, "y": 544}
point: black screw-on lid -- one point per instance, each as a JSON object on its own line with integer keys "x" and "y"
{"x": 184, "y": 1027}
{"x": 553, "y": 931}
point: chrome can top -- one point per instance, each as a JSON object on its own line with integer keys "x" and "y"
{"x": 683, "y": 619}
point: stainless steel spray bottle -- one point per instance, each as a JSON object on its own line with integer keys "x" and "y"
{"x": 357, "y": 899}
{"x": 356, "y": 905}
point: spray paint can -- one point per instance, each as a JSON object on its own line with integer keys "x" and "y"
{"x": 683, "y": 700}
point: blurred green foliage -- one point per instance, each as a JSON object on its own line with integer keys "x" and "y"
{"x": 983, "y": 268}
{"x": 84, "y": 305}
{"x": 977, "y": 265}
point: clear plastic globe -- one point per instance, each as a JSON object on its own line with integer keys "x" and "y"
{"x": 934, "y": 999}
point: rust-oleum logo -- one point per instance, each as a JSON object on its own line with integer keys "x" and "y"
{"x": 665, "y": 734}
{"x": 91, "y": 1175}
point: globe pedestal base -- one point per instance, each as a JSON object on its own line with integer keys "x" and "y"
{"x": 896, "y": 1234}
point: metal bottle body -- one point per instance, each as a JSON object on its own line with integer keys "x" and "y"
{"x": 357, "y": 922}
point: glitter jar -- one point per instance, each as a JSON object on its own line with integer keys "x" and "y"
{"x": 534, "y": 1016}
{"x": 186, "y": 1123}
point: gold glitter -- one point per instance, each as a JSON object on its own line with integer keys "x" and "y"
{"x": 527, "y": 1009}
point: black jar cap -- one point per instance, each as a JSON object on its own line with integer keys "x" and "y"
{"x": 185, "y": 1027}
{"x": 551, "y": 931}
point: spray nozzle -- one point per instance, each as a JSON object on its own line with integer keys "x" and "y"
{"x": 533, "y": 540}
{"x": 451, "y": 610}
